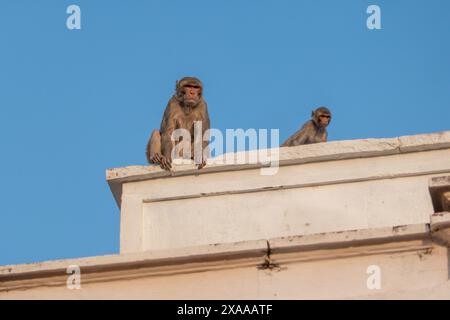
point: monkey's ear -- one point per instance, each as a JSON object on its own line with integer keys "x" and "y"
{"x": 312, "y": 113}
{"x": 176, "y": 84}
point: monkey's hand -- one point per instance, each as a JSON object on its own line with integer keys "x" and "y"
{"x": 201, "y": 165}
{"x": 165, "y": 163}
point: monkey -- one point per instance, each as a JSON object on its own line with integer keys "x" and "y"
{"x": 313, "y": 131}
{"x": 185, "y": 107}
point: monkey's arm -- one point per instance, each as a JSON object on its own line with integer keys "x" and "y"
{"x": 206, "y": 125}
{"x": 166, "y": 141}
{"x": 153, "y": 151}
{"x": 168, "y": 125}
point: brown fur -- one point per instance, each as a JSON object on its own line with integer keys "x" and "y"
{"x": 312, "y": 131}
{"x": 179, "y": 113}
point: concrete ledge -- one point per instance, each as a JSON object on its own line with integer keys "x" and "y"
{"x": 336, "y": 150}
{"x": 135, "y": 260}
{"x": 350, "y": 238}
{"x": 258, "y": 254}
{"x": 425, "y": 142}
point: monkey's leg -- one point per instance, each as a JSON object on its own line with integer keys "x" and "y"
{"x": 205, "y": 154}
{"x": 154, "y": 151}
{"x": 154, "y": 148}
{"x": 166, "y": 147}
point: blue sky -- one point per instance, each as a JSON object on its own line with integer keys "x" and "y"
{"x": 76, "y": 102}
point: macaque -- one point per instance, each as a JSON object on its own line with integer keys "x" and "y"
{"x": 184, "y": 108}
{"x": 313, "y": 131}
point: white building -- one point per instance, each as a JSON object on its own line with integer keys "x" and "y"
{"x": 357, "y": 219}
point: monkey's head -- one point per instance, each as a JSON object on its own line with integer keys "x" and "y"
{"x": 189, "y": 91}
{"x": 321, "y": 117}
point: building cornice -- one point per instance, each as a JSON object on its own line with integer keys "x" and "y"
{"x": 335, "y": 150}
{"x": 262, "y": 254}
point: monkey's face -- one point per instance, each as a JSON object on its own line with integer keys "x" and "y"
{"x": 321, "y": 117}
{"x": 324, "y": 120}
{"x": 191, "y": 95}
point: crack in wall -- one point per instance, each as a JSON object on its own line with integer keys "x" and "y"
{"x": 268, "y": 263}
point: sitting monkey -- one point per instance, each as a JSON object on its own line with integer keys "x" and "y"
{"x": 313, "y": 131}
{"x": 184, "y": 108}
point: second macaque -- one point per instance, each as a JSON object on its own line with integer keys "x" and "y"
{"x": 313, "y": 131}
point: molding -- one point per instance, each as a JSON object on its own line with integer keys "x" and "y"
{"x": 331, "y": 151}
{"x": 261, "y": 254}
{"x": 294, "y": 186}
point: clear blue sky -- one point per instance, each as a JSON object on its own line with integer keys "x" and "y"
{"x": 74, "y": 103}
